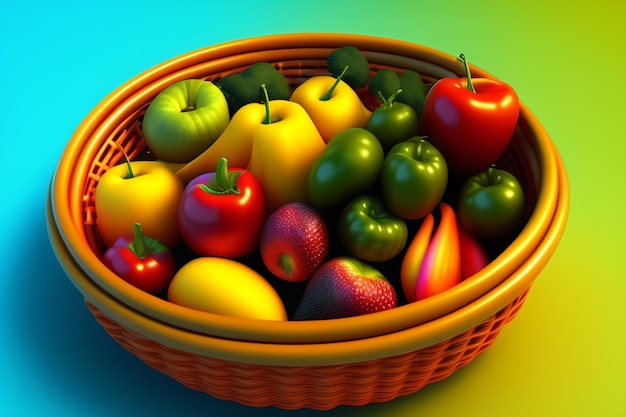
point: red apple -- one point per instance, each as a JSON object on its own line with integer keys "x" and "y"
{"x": 294, "y": 242}
{"x": 344, "y": 287}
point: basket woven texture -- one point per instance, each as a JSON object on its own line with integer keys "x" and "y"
{"x": 318, "y": 364}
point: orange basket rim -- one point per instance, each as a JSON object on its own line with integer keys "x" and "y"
{"x": 126, "y": 96}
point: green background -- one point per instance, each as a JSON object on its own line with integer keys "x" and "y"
{"x": 564, "y": 355}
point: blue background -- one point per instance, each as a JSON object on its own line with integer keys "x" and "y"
{"x": 562, "y": 356}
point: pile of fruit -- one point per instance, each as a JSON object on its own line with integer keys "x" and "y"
{"x": 349, "y": 193}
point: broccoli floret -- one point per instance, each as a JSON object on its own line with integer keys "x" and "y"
{"x": 386, "y": 82}
{"x": 413, "y": 90}
{"x": 358, "y": 73}
{"x": 245, "y": 87}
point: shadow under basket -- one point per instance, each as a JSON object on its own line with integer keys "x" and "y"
{"x": 318, "y": 364}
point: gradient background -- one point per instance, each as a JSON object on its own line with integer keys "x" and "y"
{"x": 563, "y": 356}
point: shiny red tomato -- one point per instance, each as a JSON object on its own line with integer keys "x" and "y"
{"x": 222, "y": 213}
{"x": 470, "y": 121}
{"x": 141, "y": 261}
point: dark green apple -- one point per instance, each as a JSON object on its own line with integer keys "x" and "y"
{"x": 414, "y": 178}
{"x": 491, "y": 204}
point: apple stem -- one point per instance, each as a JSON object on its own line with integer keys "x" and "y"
{"x": 468, "y": 74}
{"x": 329, "y": 93}
{"x": 191, "y": 98}
{"x": 268, "y": 118}
{"x": 223, "y": 182}
{"x": 131, "y": 174}
{"x": 419, "y": 154}
{"x": 494, "y": 175}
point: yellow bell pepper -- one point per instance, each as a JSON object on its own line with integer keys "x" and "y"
{"x": 332, "y": 104}
{"x": 234, "y": 144}
{"x": 284, "y": 147}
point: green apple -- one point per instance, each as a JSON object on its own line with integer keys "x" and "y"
{"x": 491, "y": 204}
{"x": 184, "y": 119}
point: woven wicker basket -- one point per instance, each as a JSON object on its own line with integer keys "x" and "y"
{"x": 317, "y": 364}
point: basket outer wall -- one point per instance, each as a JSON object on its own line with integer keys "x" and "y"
{"x": 320, "y": 387}
{"x": 316, "y": 387}
{"x": 319, "y": 374}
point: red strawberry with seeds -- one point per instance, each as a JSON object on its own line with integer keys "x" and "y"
{"x": 294, "y": 242}
{"x": 345, "y": 287}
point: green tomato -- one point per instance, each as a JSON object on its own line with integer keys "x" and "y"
{"x": 414, "y": 178}
{"x": 184, "y": 119}
{"x": 491, "y": 204}
{"x": 369, "y": 231}
{"x": 393, "y": 122}
{"x": 348, "y": 166}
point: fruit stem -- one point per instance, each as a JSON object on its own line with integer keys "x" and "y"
{"x": 419, "y": 155}
{"x": 131, "y": 174}
{"x": 468, "y": 74}
{"x": 329, "y": 93}
{"x": 137, "y": 245}
{"x": 388, "y": 102}
{"x": 142, "y": 245}
{"x": 268, "y": 118}
{"x": 493, "y": 175}
{"x": 191, "y": 97}
{"x": 223, "y": 182}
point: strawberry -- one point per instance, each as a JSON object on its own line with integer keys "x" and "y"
{"x": 294, "y": 242}
{"x": 344, "y": 287}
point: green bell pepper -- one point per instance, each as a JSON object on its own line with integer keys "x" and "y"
{"x": 348, "y": 166}
{"x": 414, "y": 178}
{"x": 369, "y": 231}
